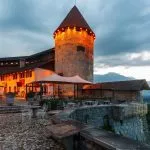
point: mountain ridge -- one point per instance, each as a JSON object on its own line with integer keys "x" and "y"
{"x": 111, "y": 76}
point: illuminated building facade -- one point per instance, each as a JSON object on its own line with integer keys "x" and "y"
{"x": 16, "y": 72}
{"x": 72, "y": 55}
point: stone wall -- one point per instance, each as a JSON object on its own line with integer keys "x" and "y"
{"x": 132, "y": 127}
{"x": 68, "y": 60}
{"x": 131, "y": 121}
{"x": 96, "y": 115}
{"x": 92, "y": 116}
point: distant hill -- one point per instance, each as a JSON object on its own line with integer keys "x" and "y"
{"x": 111, "y": 77}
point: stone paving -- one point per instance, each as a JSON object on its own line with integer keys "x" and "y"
{"x": 20, "y": 132}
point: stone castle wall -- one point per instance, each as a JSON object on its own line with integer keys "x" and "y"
{"x": 68, "y": 60}
{"x": 130, "y": 121}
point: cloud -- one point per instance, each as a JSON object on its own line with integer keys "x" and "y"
{"x": 121, "y": 27}
{"x": 126, "y": 60}
{"x": 27, "y": 26}
{"x": 124, "y": 28}
{"x": 34, "y": 15}
{"x": 19, "y": 43}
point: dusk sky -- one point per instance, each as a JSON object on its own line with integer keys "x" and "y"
{"x": 122, "y": 29}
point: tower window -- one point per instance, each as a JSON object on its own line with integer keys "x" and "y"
{"x": 80, "y": 49}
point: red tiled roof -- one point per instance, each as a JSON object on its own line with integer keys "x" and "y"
{"x": 74, "y": 19}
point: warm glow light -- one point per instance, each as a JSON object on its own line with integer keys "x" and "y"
{"x": 73, "y": 29}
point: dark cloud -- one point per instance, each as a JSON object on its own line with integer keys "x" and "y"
{"x": 33, "y": 15}
{"x": 126, "y": 60}
{"x": 121, "y": 26}
{"x": 21, "y": 15}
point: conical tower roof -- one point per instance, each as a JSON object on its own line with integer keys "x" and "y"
{"x": 74, "y": 19}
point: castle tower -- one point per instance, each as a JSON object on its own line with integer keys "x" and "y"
{"x": 74, "y": 44}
